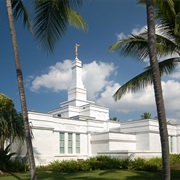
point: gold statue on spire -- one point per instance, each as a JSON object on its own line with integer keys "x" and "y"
{"x": 76, "y": 49}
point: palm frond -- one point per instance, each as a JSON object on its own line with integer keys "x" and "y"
{"x": 138, "y": 82}
{"x": 177, "y": 26}
{"x": 165, "y": 11}
{"x": 76, "y": 20}
{"x": 167, "y": 66}
{"x": 144, "y": 79}
{"x": 19, "y": 11}
{"x": 134, "y": 46}
{"x": 137, "y": 45}
{"x": 50, "y": 22}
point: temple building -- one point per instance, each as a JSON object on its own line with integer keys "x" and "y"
{"x": 79, "y": 129}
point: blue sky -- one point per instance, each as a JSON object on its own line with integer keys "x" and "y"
{"x": 47, "y": 77}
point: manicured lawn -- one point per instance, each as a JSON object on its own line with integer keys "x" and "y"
{"x": 94, "y": 175}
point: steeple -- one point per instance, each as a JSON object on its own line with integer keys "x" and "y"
{"x": 76, "y": 67}
{"x": 77, "y": 92}
{"x": 77, "y": 105}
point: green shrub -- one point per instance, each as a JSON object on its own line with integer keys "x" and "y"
{"x": 93, "y": 163}
{"x": 108, "y": 162}
{"x": 125, "y": 163}
{"x": 103, "y": 158}
{"x": 5, "y": 156}
{"x": 68, "y": 166}
{"x": 174, "y": 159}
{"x": 84, "y": 166}
{"x": 140, "y": 164}
{"x": 104, "y": 162}
{"x": 44, "y": 168}
{"x": 54, "y": 166}
{"x": 150, "y": 167}
{"x": 157, "y": 161}
{"x": 17, "y": 166}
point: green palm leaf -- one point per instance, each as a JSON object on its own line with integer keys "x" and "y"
{"x": 137, "y": 45}
{"x": 133, "y": 46}
{"x": 144, "y": 79}
{"x": 19, "y": 11}
{"x": 51, "y": 19}
{"x": 76, "y": 20}
{"x": 168, "y": 14}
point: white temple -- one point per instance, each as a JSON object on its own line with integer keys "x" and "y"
{"x": 80, "y": 129}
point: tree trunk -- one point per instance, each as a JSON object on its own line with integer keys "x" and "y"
{"x": 21, "y": 92}
{"x": 158, "y": 90}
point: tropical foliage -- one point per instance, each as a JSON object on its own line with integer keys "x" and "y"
{"x": 154, "y": 44}
{"x": 11, "y": 123}
{"x": 11, "y": 128}
{"x": 167, "y": 44}
{"x": 108, "y": 162}
{"x": 146, "y": 115}
{"x": 50, "y": 20}
{"x": 49, "y": 27}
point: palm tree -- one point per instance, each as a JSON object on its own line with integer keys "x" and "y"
{"x": 11, "y": 123}
{"x": 167, "y": 43}
{"x": 146, "y": 115}
{"x": 158, "y": 89}
{"x": 151, "y": 44}
{"x": 51, "y": 18}
{"x": 21, "y": 91}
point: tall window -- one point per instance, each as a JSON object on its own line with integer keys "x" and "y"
{"x": 61, "y": 137}
{"x": 77, "y": 143}
{"x": 70, "y": 143}
{"x": 171, "y": 143}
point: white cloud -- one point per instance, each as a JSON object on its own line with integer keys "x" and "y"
{"x": 176, "y": 74}
{"x": 137, "y": 31}
{"x": 143, "y": 100}
{"x": 120, "y": 36}
{"x": 57, "y": 78}
{"x": 95, "y": 77}
{"x": 171, "y": 91}
{"x": 130, "y": 102}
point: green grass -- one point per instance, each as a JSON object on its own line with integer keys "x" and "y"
{"x": 94, "y": 175}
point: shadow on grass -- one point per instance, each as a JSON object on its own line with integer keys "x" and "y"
{"x": 15, "y": 176}
{"x": 108, "y": 175}
{"x": 141, "y": 175}
{"x": 95, "y": 175}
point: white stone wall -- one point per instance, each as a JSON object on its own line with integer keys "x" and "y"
{"x": 142, "y": 141}
{"x": 129, "y": 139}
{"x": 106, "y": 142}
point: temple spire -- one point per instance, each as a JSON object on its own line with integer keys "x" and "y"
{"x": 77, "y": 92}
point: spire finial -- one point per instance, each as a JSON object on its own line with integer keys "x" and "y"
{"x": 76, "y": 49}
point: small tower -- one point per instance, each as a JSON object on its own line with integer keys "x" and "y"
{"x": 77, "y": 93}
{"x": 77, "y": 105}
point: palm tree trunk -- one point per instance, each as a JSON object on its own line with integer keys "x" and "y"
{"x": 21, "y": 92}
{"x": 158, "y": 90}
